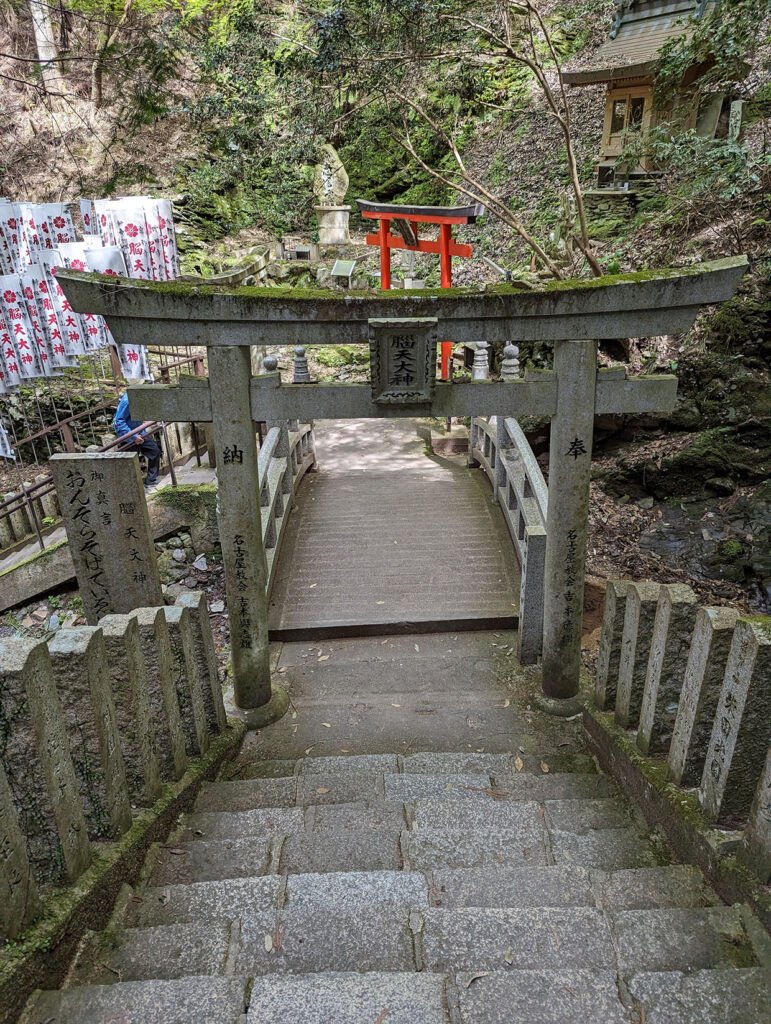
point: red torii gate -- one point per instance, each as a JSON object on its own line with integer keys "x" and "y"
{"x": 406, "y": 220}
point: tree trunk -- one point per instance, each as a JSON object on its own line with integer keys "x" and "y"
{"x": 43, "y": 27}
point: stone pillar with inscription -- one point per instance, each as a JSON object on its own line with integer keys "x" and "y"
{"x": 83, "y": 683}
{"x": 187, "y": 680}
{"x": 740, "y": 736}
{"x": 206, "y": 656}
{"x": 19, "y": 901}
{"x": 35, "y": 756}
{"x": 240, "y": 528}
{"x": 570, "y": 459}
{"x": 104, "y": 509}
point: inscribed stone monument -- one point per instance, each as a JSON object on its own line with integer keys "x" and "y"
{"x": 104, "y": 509}
{"x": 330, "y": 184}
{"x": 402, "y": 355}
{"x": 19, "y": 901}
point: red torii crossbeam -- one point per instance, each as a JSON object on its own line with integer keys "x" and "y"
{"x": 409, "y": 218}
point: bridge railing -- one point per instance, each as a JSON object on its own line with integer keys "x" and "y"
{"x": 692, "y": 687}
{"x": 286, "y": 454}
{"x": 499, "y": 446}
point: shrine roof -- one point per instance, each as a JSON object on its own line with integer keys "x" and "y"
{"x": 641, "y": 29}
{"x": 467, "y": 213}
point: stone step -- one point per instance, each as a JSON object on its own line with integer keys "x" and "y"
{"x": 553, "y": 786}
{"x": 408, "y": 788}
{"x": 681, "y": 939}
{"x": 738, "y": 996}
{"x": 141, "y": 954}
{"x": 358, "y": 888}
{"x": 203, "y": 901}
{"x": 195, "y": 1000}
{"x": 261, "y": 822}
{"x": 349, "y": 998}
{"x": 608, "y": 849}
{"x": 435, "y": 813}
{"x": 571, "y": 886}
{"x": 539, "y": 997}
{"x": 496, "y": 765}
{"x": 201, "y": 861}
{"x": 362, "y": 849}
{"x": 318, "y": 937}
{"x": 534, "y": 938}
{"x": 247, "y": 795}
{"x": 430, "y": 849}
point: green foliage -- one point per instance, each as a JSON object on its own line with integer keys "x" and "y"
{"x": 722, "y": 42}
{"x": 340, "y": 355}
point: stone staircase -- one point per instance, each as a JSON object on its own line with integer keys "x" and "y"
{"x": 431, "y": 888}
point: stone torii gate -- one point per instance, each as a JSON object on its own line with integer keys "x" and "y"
{"x": 402, "y": 330}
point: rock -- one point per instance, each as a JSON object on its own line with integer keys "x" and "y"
{"x": 217, "y": 606}
{"x": 721, "y": 484}
{"x": 191, "y": 582}
{"x": 174, "y": 542}
{"x": 29, "y": 622}
{"x": 201, "y": 564}
{"x": 645, "y": 503}
{"x": 40, "y": 614}
{"x": 53, "y": 622}
{"x": 178, "y": 554}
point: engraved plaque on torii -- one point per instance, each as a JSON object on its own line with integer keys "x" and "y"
{"x": 402, "y": 357}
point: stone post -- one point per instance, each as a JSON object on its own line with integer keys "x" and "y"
{"x": 187, "y": 681}
{"x": 480, "y": 369}
{"x": 667, "y": 660}
{"x": 740, "y": 735}
{"x": 156, "y": 650}
{"x": 79, "y": 662}
{"x": 104, "y": 508}
{"x": 301, "y": 374}
{"x": 35, "y": 756}
{"x": 755, "y": 848}
{"x": 240, "y": 528}
{"x": 206, "y": 657}
{"x": 48, "y": 502}
{"x": 641, "y": 602}
{"x": 19, "y": 902}
{"x": 712, "y": 636}
{"x": 570, "y": 459}
{"x": 6, "y": 532}
{"x": 18, "y": 518}
{"x": 131, "y": 696}
{"x": 609, "y": 657}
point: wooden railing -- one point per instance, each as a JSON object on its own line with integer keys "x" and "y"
{"x": 500, "y": 447}
{"x": 692, "y": 686}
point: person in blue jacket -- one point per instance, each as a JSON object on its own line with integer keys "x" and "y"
{"x": 123, "y": 424}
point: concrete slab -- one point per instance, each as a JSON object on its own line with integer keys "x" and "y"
{"x": 204, "y": 901}
{"x": 364, "y": 888}
{"x": 399, "y": 695}
{"x": 349, "y": 999}
{"x": 367, "y": 548}
{"x": 210, "y": 862}
{"x": 487, "y": 939}
{"x": 184, "y": 1001}
{"x": 540, "y": 997}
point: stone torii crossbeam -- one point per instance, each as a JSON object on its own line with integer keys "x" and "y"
{"x": 402, "y": 328}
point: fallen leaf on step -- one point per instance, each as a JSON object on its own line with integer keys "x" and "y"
{"x": 268, "y": 943}
{"x": 343, "y": 750}
{"x": 382, "y": 1015}
{"x": 324, "y": 657}
{"x": 379, "y": 602}
{"x": 383, "y": 642}
{"x": 312, "y": 586}
{"x": 544, "y": 766}
{"x": 322, "y": 789}
{"x": 557, "y": 939}
{"x": 395, "y": 705}
{"x": 417, "y": 648}
{"x": 473, "y": 978}
{"x": 176, "y": 851}
{"x": 519, "y": 764}
{"x": 326, "y": 725}
{"x": 508, "y": 956}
